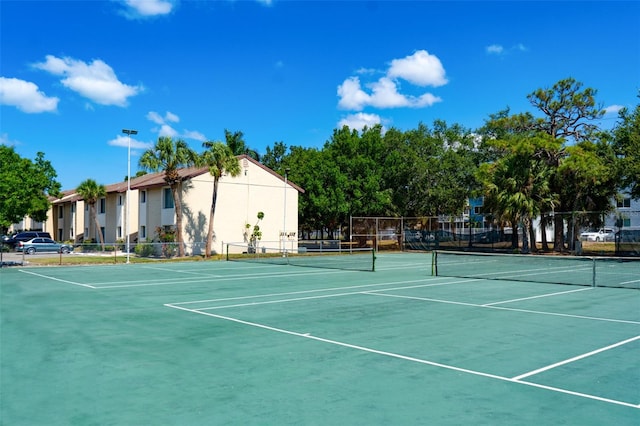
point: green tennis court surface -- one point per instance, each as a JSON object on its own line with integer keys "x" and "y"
{"x": 228, "y": 343}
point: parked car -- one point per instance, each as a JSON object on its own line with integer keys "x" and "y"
{"x": 41, "y": 245}
{"x": 603, "y": 234}
{"x": 25, "y": 236}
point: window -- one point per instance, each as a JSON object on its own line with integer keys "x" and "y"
{"x": 119, "y": 232}
{"x": 103, "y": 205}
{"x": 167, "y": 198}
{"x": 73, "y": 208}
{"x": 626, "y": 222}
{"x": 143, "y": 231}
{"x": 71, "y": 232}
{"x": 119, "y": 200}
{"x": 60, "y": 212}
{"x": 143, "y": 197}
{"x": 625, "y": 202}
{"x": 477, "y": 210}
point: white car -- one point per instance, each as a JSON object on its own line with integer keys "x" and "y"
{"x": 603, "y": 234}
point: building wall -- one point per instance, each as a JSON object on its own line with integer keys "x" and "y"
{"x": 239, "y": 201}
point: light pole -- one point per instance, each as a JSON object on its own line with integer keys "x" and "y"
{"x": 284, "y": 215}
{"x": 128, "y": 132}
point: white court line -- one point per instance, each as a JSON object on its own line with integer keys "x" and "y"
{"x": 319, "y": 290}
{"x": 404, "y": 357}
{"x": 324, "y": 296}
{"x": 537, "y": 297}
{"x": 177, "y": 281}
{"x": 180, "y": 271}
{"x": 502, "y": 308}
{"x": 575, "y": 358}
{"x": 57, "y": 279}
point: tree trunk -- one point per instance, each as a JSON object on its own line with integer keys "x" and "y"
{"x": 558, "y": 233}
{"x": 532, "y": 238}
{"x": 97, "y": 225}
{"x": 544, "y": 222}
{"x": 212, "y": 212}
{"x": 177, "y": 202}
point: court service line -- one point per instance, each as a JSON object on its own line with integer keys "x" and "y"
{"x": 537, "y": 297}
{"x": 502, "y": 308}
{"x": 403, "y": 357}
{"x": 177, "y": 281}
{"x": 575, "y": 358}
{"x": 320, "y": 290}
{"x": 297, "y": 299}
{"x": 57, "y": 279}
{"x": 181, "y": 271}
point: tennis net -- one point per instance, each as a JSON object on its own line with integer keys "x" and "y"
{"x": 351, "y": 259}
{"x": 572, "y": 270}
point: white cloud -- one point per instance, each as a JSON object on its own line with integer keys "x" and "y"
{"x": 5, "y": 140}
{"x": 167, "y": 130}
{"x": 195, "y": 135}
{"x": 498, "y": 49}
{"x": 123, "y": 141}
{"x": 169, "y": 116}
{"x": 359, "y": 121}
{"x": 351, "y": 95}
{"x": 495, "y": 49}
{"x": 613, "y": 109}
{"x": 158, "y": 119}
{"x": 155, "y": 117}
{"x": 25, "y": 96}
{"x": 384, "y": 94}
{"x": 150, "y": 7}
{"x": 521, "y": 47}
{"x": 421, "y": 69}
{"x": 95, "y": 81}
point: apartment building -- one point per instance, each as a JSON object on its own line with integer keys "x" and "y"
{"x": 240, "y": 198}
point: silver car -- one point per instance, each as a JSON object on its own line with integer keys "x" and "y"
{"x": 42, "y": 245}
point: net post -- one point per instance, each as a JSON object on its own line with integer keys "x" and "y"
{"x": 227, "y": 252}
{"x": 434, "y": 263}
{"x": 373, "y": 261}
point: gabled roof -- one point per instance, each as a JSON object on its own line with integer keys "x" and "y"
{"x": 151, "y": 180}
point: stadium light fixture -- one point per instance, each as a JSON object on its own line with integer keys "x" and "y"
{"x": 128, "y": 132}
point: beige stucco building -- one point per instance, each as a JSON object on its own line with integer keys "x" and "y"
{"x": 240, "y": 198}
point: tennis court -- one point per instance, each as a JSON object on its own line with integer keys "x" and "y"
{"x": 234, "y": 343}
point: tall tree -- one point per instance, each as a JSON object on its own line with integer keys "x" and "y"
{"x": 569, "y": 111}
{"x": 25, "y": 186}
{"x": 432, "y": 171}
{"x": 220, "y": 160}
{"x": 91, "y": 191}
{"x": 516, "y": 185}
{"x": 170, "y": 156}
{"x": 627, "y": 146}
{"x": 275, "y": 157}
{"x": 235, "y": 141}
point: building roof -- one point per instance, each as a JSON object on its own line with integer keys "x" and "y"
{"x": 156, "y": 179}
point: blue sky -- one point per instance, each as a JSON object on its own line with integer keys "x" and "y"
{"x": 73, "y": 74}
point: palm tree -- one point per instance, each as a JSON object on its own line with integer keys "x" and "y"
{"x": 220, "y": 159}
{"x": 91, "y": 192}
{"x": 169, "y": 156}
{"x": 517, "y": 185}
{"x": 235, "y": 141}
